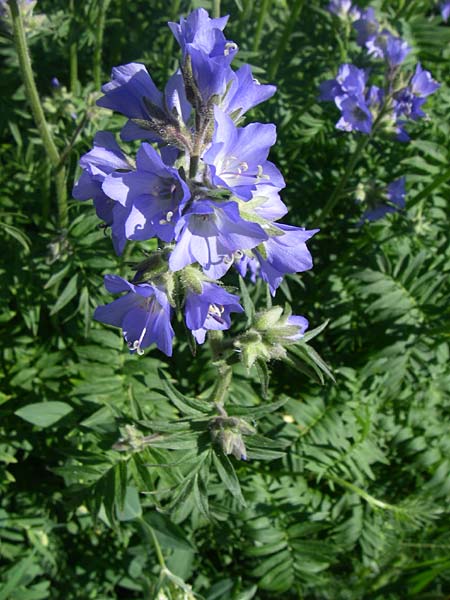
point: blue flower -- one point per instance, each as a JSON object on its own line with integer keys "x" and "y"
{"x": 143, "y": 314}
{"x": 133, "y": 93}
{"x": 237, "y": 157}
{"x": 395, "y": 195}
{"x": 301, "y": 323}
{"x": 202, "y": 40}
{"x": 153, "y": 196}
{"x": 445, "y": 10}
{"x": 279, "y": 255}
{"x": 356, "y": 115}
{"x": 422, "y": 84}
{"x": 350, "y": 81}
{"x": 243, "y": 93}
{"x": 367, "y": 27}
{"x": 105, "y": 158}
{"x": 209, "y": 310}
{"x": 396, "y": 51}
{"x": 209, "y": 233}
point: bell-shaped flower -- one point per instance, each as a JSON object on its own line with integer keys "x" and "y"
{"x": 209, "y": 233}
{"x": 132, "y": 93}
{"x": 105, "y": 158}
{"x": 153, "y": 196}
{"x": 350, "y": 81}
{"x": 143, "y": 314}
{"x": 422, "y": 83}
{"x": 356, "y": 115}
{"x": 243, "y": 93}
{"x": 237, "y": 157}
{"x": 202, "y": 40}
{"x": 209, "y": 310}
{"x": 285, "y": 253}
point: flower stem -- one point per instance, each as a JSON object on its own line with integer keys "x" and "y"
{"x": 222, "y": 385}
{"x": 335, "y": 196}
{"x": 149, "y": 533}
{"x": 259, "y": 26}
{"x": 284, "y": 39}
{"x": 37, "y": 111}
{"x": 216, "y": 9}
{"x": 73, "y": 53}
{"x": 100, "y": 28}
{"x": 360, "y": 147}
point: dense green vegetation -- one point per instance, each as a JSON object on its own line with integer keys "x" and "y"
{"x": 115, "y": 489}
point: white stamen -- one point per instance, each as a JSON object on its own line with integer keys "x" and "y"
{"x": 230, "y": 47}
{"x": 243, "y": 166}
{"x": 260, "y": 171}
{"x": 216, "y": 310}
{"x": 238, "y": 254}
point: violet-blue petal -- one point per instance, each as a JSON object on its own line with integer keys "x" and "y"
{"x": 422, "y": 83}
{"x": 298, "y": 321}
{"x": 285, "y": 253}
{"x": 245, "y": 93}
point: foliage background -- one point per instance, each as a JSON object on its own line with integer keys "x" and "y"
{"x": 345, "y": 495}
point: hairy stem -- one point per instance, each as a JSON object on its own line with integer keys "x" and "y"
{"x": 37, "y": 111}
{"x": 222, "y": 384}
{"x": 100, "y": 28}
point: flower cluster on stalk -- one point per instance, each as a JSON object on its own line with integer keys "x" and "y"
{"x": 366, "y": 107}
{"x": 402, "y": 94}
{"x": 201, "y": 184}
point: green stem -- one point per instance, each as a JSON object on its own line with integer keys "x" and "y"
{"x": 65, "y": 153}
{"x": 360, "y": 147}
{"x": 32, "y": 95}
{"x": 73, "y": 52}
{"x": 374, "y": 502}
{"x": 222, "y": 385}
{"x": 259, "y": 26}
{"x": 284, "y": 39}
{"x": 100, "y": 28}
{"x": 335, "y": 196}
{"x": 149, "y": 533}
{"x": 216, "y": 9}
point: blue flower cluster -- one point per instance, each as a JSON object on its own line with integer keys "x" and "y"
{"x": 200, "y": 184}
{"x": 362, "y": 105}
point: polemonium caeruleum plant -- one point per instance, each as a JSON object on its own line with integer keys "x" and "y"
{"x": 202, "y": 187}
{"x": 368, "y": 108}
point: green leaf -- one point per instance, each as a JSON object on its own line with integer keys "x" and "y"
{"x": 66, "y": 295}
{"x": 44, "y": 414}
{"x": 228, "y": 475}
{"x": 132, "y": 508}
{"x": 169, "y": 535}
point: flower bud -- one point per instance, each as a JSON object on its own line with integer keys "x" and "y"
{"x": 227, "y": 432}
